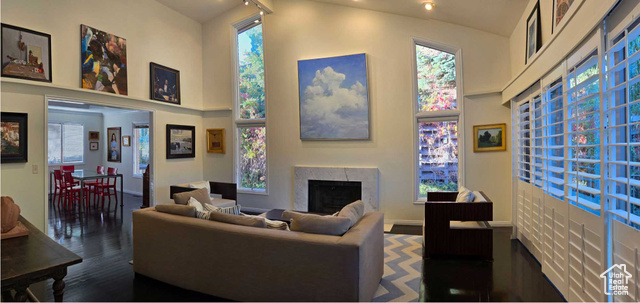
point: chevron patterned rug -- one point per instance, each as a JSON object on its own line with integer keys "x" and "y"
{"x": 402, "y": 269}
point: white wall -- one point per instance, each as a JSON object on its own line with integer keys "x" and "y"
{"x": 304, "y": 29}
{"x": 132, "y": 184}
{"x": 91, "y": 122}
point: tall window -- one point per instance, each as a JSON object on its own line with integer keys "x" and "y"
{"x": 553, "y": 121}
{"x": 437, "y": 120}
{"x": 524, "y": 142}
{"x": 539, "y": 170}
{"x": 140, "y": 148}
{"x": 66, "y": 143}
{"x": 250, "y": 110}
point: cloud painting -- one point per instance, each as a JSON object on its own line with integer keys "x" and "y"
{"x": 334, "y": 100}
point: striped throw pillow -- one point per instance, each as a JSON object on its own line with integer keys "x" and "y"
{"x": 271, "y": 224}
{"x": 233, "y": 210}
{"x": 200, "y": 211}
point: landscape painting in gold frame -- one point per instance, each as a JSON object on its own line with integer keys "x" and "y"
{"x": 490, "y": 137}
{"x": 215, "y": 140}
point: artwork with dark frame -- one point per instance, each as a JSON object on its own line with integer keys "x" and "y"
{"x": 93, "y": 145}
{"x": 490, "y": 137}
{"x": 26, "y": 54}
{"x": 534, "y": 38}
{"x": 181, "y": 141}
{"x": 165, "y": 83}
{"x": 215, "y": 140}
{"x": 14, "y": 137}
{"x": 559, "y": 12}
{"x": 114, "y": 148}
{"x": 94, "y": 136}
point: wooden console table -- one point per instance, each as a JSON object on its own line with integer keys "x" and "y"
{"x": 31, "y": 259}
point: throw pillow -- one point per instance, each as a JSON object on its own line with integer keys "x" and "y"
{"x": 238, "y": 220}
{"x": 325, "y": 225}
{"x": 175, "y": 209}
{"x": 465, "y": 195}
{"x": 199, "y": 194}
{"x": 271, "y": 224}
{"x": 233, "y": 210}
{"x": 201, "y": 184}
{"x": 201, "y": 213}
{"x": 353, "y": 212}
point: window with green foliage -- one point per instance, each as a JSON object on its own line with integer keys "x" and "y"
{"x": 140, "y": 148}
{"x": 251, "y": 163}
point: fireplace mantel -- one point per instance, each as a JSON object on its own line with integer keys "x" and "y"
{"x": 368, "y": 177}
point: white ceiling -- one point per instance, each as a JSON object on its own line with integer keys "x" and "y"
{"x": 79, "y": 107}
{"x": 201, "y": 10}
{"x": 495, "y": 16}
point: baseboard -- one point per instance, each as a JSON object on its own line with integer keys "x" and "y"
{"x": 419, "y": 223}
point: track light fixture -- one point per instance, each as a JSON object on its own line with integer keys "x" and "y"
{"x": 246, "y": 2}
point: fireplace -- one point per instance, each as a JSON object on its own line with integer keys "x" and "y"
{"x": 328, "y": 197}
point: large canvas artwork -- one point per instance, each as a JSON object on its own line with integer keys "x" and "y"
{"x": 181, "y": 141}
{"x": 334, "y": 98}
{"x": 104, "y": 61}
{"x": 26, "y": 54}
{"x": 13, "y": 129}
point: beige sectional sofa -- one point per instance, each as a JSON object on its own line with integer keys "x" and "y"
{"x": 257, "y": 264}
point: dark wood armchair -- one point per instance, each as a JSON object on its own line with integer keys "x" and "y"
{"x": 227, "y": 190}
{"x": 457, "y": 228}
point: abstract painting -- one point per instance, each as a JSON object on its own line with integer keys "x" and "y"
{"x": 181, "y": 141}
{"x": 26, "y": 54}
{"x": 334, "y": 98}
{"x": 165, "y": 84}
{"x": 114, "y": 148}
{"x": 490, "y": 137}
{"x": 104, "y": 61}
{"x": 13, "y": 130}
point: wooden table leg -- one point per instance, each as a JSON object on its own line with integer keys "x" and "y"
{"x": 58, "y": 285}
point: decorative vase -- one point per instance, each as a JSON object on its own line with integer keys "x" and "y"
{"x": 10, "y": 214}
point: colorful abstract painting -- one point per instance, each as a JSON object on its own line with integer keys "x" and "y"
{"x": 104, "y": 61}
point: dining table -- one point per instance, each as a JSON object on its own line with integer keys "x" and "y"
{"x": 83, "y": 175}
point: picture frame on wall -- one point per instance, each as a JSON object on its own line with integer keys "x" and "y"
{"x": 14, "y": 134}
{"x": 533, "y": 37}
{"x": 215, "y": 140}
{"x": 489, "y": 137}
{"x": 126, "y": 140}
{"x": 103, "y": 61}
{"x": 93, "y": 145}
{"x": 26, "y": 54}
{"x": 165, "y": 84}
{"x": 114, "y": 147}
{"x": 94, "y": 136}
{"x": 181, "y": 141}
{"x": 562, "y": 12}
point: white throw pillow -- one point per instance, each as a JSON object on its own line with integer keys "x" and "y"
{"x": 233, "y": 210}
{"x": 201, "y": 184}
{"x": 465, "y": 195}
{"x": 201, "y": 212}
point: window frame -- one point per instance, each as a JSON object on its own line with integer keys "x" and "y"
{"x": 134, "y": 138}
{"x": 436, "y": 116}
{"x": 84, "y": 139}
{"x": 236, "y": 29}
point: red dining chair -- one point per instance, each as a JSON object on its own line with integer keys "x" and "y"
{"x": 60, "y": 186}
{"x": 107, "y": 184}
{"x": 93, "y": 184}
{"x": 71, "y": 169}
{"x": 73, "y": 191}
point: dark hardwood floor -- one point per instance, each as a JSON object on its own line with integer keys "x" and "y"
{"x": 102, "y": 237}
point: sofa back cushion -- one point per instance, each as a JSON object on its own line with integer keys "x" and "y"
{"x": 199, "y": 194}
{"x": 176, "y": 209}
{"x": 315, "y": 224}
{"x": 237, "y": 219}
{"x": 353, "y": 212}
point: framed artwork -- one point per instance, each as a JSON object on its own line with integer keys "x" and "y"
{"x": 534, "y": 38}
{"x": 103, "y": 61}
{"x": 181, "y": 141}
{"x": 114, "y": 148}
{"x": 93, "y": 145}
{"x": 334, "y": 98}
{"x": 165, "y": 84}
{"x": 26, "y": 54}
{"x": 14, "y": 137}
{"x": 126, "y": 140}
{"x": 94, "y": 136}
{"x": 215, "y": 140}
{"x": 491, "y": 137}
{"x": 562, "y": 11}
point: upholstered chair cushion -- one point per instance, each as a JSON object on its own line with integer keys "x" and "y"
{"x": 199, "y": 194}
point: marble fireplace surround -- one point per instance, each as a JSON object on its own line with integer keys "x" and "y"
{"x": 368, "y": 177}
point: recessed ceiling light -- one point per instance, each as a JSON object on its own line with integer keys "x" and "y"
{"x": 429, "y": 6}
{"x": 246, "y": 2}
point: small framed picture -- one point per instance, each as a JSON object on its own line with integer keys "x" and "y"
{"x": 26, "y": 54}
{"x": 491, "y": 137}
{"x": 215, "y": 140}
{"x": 115, "y": 144}
{"x": 126, "y": 140}
{"x": 181, "y": 141}
{"x": 165, "y": 84}
{"x": 534, "y": 38}
{"x": 94, "y": 136}
{"x": 93, "y": 145}
{"x": 14, "y": 137}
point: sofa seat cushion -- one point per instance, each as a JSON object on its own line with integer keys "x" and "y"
{"x": 199, "y": 194}
{"x": 353, "y": 211}
{"x": 176, "y": 209}
{"x": 223, "y": 202}
{"x": 238, "y": 220}
{"x": 315, "y": 224}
